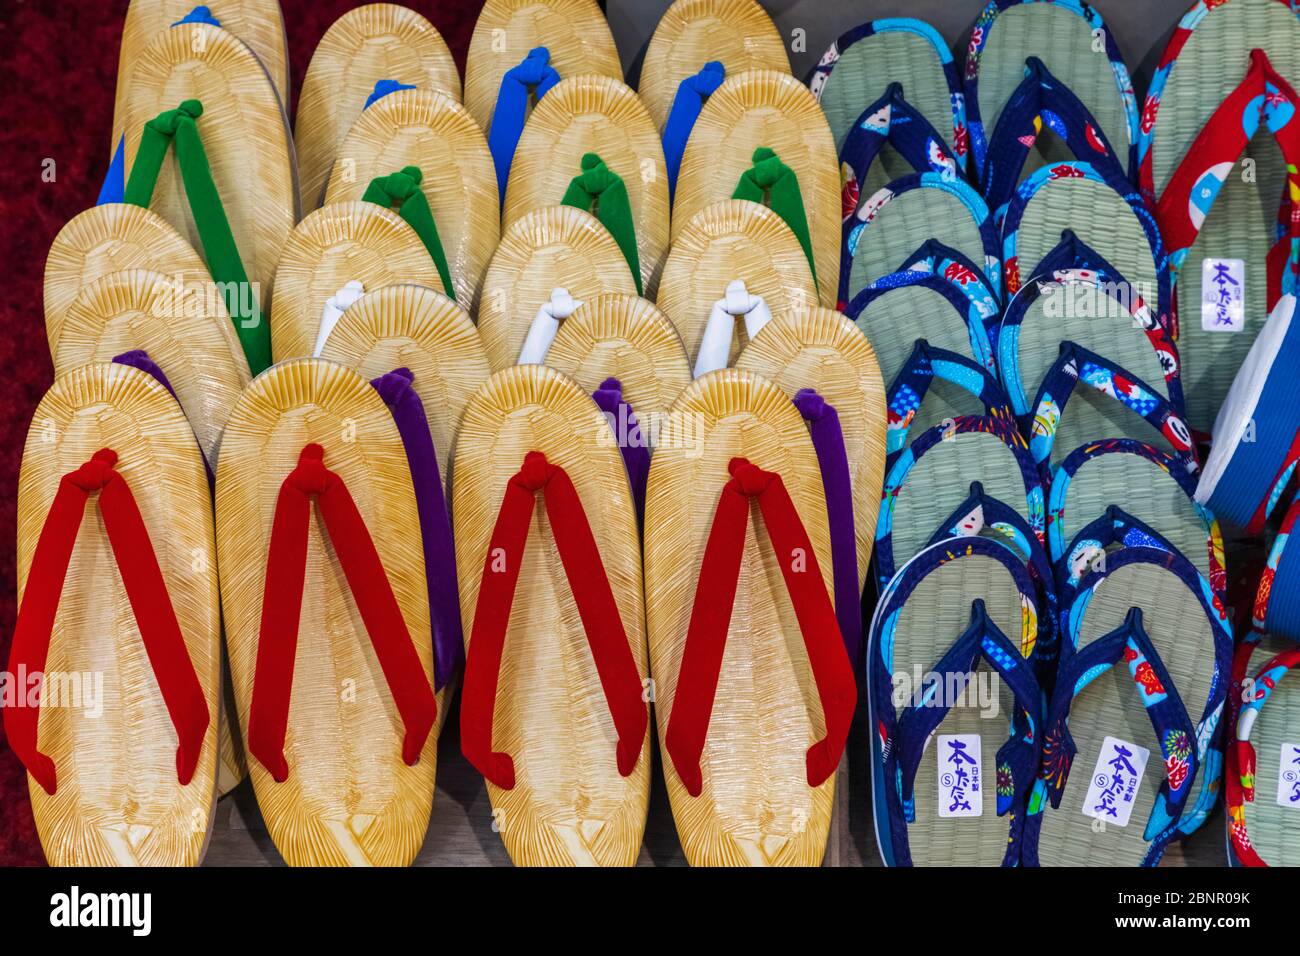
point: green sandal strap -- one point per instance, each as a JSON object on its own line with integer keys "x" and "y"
{"x": 772, "y": 183}
{"x": 224, "y": 263}
{"x": 600, "y": 187}
{"x": 402, "y": 190}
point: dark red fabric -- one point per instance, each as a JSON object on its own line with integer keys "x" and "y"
{"x": 67, "y": 53}
{"x": 277, "y": 643}
{"x": 145, "y": 589}
{"x": 715, "y": 595}
{"x": 619, "y": 678}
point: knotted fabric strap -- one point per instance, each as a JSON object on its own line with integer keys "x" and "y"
{"x": 286, "y": 570}
{"x": 224, "y": 263}
{"x": 150, "y": 602}
{"x": 715, "y": 344}
{"x": 333, "y": 310}
{"x": 534, "y": 73}
{"x": 601, "y": 191}
{"x": 631, "y": 441}
{"x": 828, "y": 441}
{"x": 402, "y": 190}
{"x": 545, "y": 325}
{"x": 395, "y": 388}
{"x": 772, "y": 183}
{"x": 715, "y": 596}
{"x": 691, "y": 94}
{"x": 619, "y": 677}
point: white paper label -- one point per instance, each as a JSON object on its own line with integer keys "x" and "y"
{"x": 961, "y": 775}
{"x": 1223, "y": 295}
{"x": 1288, "y": 777}
{"x": 1115, "y": 781}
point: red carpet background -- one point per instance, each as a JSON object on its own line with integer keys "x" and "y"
{"x": 58, "y": 77}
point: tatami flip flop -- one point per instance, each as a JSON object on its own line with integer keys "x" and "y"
{"x": 1063, "y": 34}
{"x": 370, "y": 50}
{"x": 953, "y": 644}
{"x": 554, "y": 710}
{"x": 763, "y": 137}
{"x": 753, "y": 718}
{"x": 1146, "y": 618}
{"x": 732, "y": 241}
{"x": 431, "y": 132}
{"x": 340, "y": 245}
{"x": 122, "y": 771}
{"x": 333, "y": 683}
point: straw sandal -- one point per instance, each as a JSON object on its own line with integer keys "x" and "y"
{"x": 336, "y": 709}
{"x": 728, "y": 241}
{"x": 753, "y": 719}
{"x": 762, "y": 136}
{"x": 553, "y": 712}
{"x": 131, "y": 596}
{"x": 1161, "y": 618}
{"x": 431, "y": 132}
{"x": 333, "y": 247}
{"x": 961, "y": 611}
{"x": 559, "y": 247}
{"x": 369, "y": 50}
{"x": 1063, "y": 33}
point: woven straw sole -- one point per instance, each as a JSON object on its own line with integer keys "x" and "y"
{"x": 1111, "y": 706}
{"x": 594, "y": 114}
{"x": 559, "y": 246}
{"x": 756, "y": 807}
{"x": 574, "y": 31}
{"x": 766, "y": 108}
{"x": 378, "y": 41}
{"x": 1274, "y": 830}
{"x": 822, "y": 349}
{"x": 245, "y": 136}
{"x": 118, "y": 802}
{"x": 569, "y": 805}
{"x": 330, "y": 247}
{"x": 627, "y": 338}
{"x": 732, "y": 239}
{"x": 430, "y": 130}
{"x": 111, "y": 238}
{"x": 737, "y": 33}
{"x": 349, "y": 798}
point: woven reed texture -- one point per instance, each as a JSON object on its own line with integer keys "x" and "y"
{"x": 330, "y": 247}
{"x": 1274, "y": 830}
{"x": 259, "y": 24}
{"x": 756, "y": 807}
{"x": 1146, "y": 492}
{"x": 349, "y": 798}
{"x": 766, "y": 108}
{"x": 737, "y": 33}
{"x": 934, "y": 617}
{"x": 430, "y": 130}
{"x": 896, "y": 320}
{"x": 906, "y": 221}
{"x": 732, "y": 239}
{"x": 1110, "y": 706}
{"x": 1100, "y": 217}
{"x": 378, "y": 41}
{"x": 941, "y": 480}
{"x": 118, "y": 801}
{"x": 111, "y": 238}
{"x": 574, "y": 31}
{"x": 245, "y": 136}
{"x": 627, "y": 338}
{"x": 1092, "y": 415}
{"x": 821, "y": 349}
{"x": 569, "y": 805}
{"x": 586, "y": 114}
{"x": 415, "y": 327}
{"x": 559, "y": 246}
{"x": 1063, "y": 40}
{"x": 186, "y": 332}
